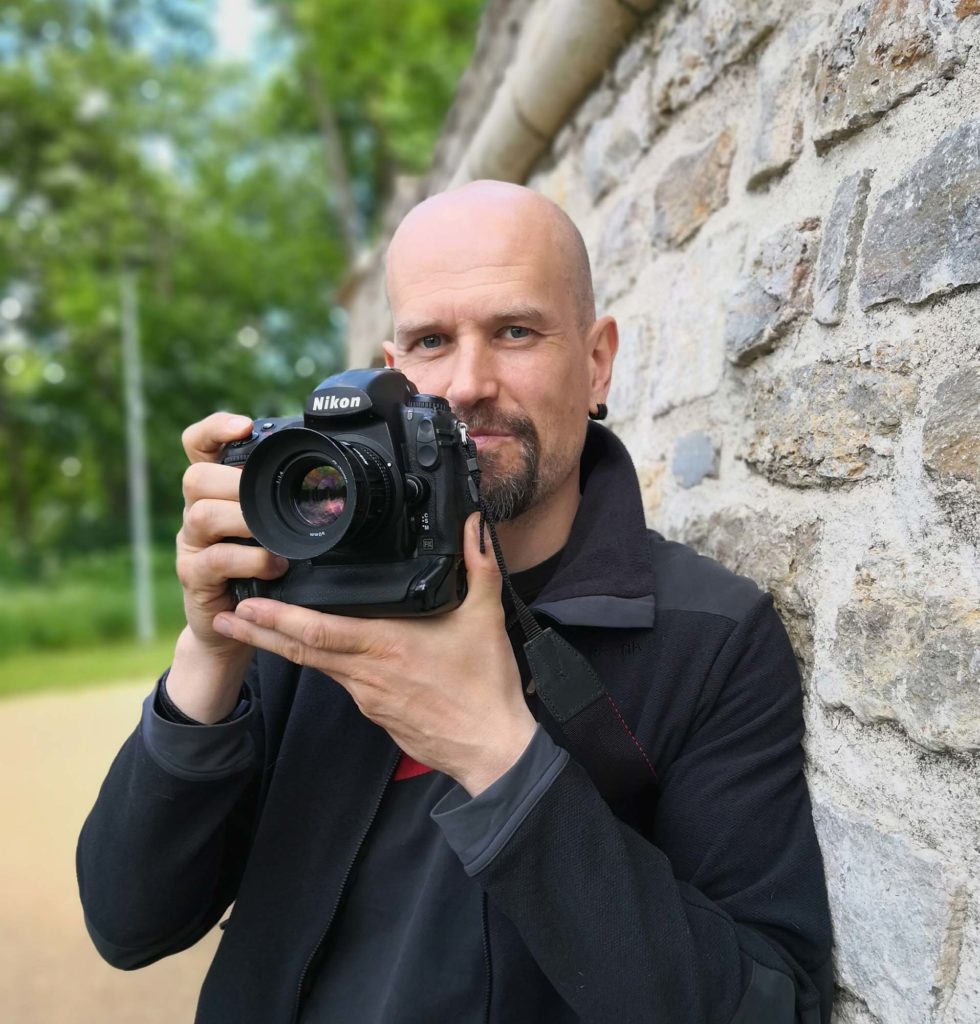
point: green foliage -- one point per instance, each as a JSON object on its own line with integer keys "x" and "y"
{"x": 230, "y": 195}
{"x": 113, "y": 156}
{"x": 388, "y": 69}
{"x": 83, "y": 602}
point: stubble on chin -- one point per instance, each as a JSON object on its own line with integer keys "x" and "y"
{"x": 508, "y": 478}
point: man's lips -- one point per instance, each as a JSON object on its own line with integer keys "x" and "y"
{"x": 483, "y": 438}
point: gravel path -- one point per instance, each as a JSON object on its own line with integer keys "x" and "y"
{"x": 56, "y": 749}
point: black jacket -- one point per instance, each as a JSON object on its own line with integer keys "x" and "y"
{"x": 707, "y": 907}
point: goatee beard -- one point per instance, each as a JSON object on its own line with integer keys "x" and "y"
{"x": 506, "y": 495}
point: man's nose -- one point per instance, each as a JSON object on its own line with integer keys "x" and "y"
{"x": 474, "y": 377}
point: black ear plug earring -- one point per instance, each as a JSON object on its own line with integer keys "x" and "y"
{"x": 600, "y": 412}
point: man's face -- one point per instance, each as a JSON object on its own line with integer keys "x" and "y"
{"x": 483, "y": 317}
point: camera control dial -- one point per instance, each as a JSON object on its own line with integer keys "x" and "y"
{"x": 429, "y": 402}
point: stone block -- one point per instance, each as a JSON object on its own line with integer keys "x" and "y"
{"x": 701, "y": 41}
{"x": 695, "y": 457}
{"x": 614, "y": 145}
{"x": 898, "y": 911}
{"x": 962, "y": 1008}
{"x": 908, "y": 654}
{"x": 772, "y": 292}
{"x": 838, "y": 248}
{"x": 627, "y": 396}
{"x": 882, "y": 52}
{"x": 688, "y": 360}
{"x": 825, "y": 423}
{"x": 923, "y": 237}
{"x": 778, "y": 556}
{"x": 624, "y": 248}
{"x": 779, "y": 134}
{"x": 951, "y": 449}
{"x": 892, "y": 354}
{"x": 691, "y": 189}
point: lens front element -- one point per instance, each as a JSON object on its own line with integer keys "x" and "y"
{"x": 322, "y": 496}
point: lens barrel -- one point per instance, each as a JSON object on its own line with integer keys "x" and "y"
{"x": 303, "y": 493}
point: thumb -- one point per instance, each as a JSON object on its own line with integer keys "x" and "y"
{"x": 482, "y": 575}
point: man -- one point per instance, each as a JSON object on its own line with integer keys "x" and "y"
{"x": 392, "y": 806}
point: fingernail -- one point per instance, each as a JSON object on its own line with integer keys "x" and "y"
{"x": 223, "y": 624}
{"x": 238, "y": 422}
{"x": 281, "y": 564}
{"x": 243, "y": 611}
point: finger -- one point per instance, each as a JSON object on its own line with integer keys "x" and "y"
{"x": 253, "y": 635}
{"x": 204, "y": 440}
{"x": 217, "y": 564}
{"x": 482, "y": 574}
{"x": 339, "y": 634}
{"x": 210, "y": 520}
{"x": 210, "y": 480}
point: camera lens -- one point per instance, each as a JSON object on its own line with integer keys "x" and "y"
{"x": 303, "y": 493}
{"x": 322, "y": 496}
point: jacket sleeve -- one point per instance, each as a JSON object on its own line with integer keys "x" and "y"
{"x": 719, "y": 914}
{"x": 161, "y": 854}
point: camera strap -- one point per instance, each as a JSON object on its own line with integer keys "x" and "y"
{"x": 596, "y": 733}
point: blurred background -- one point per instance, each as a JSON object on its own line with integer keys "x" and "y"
{"x": 185, "y": 187}
{"x": 192, "y": 179}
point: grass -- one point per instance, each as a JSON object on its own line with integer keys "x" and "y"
{"x": 35, "y": 671}
{"x": 73, "y": 625}
{"x": 84, "y": 602}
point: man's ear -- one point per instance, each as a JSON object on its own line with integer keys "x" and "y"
{"x": 603, "y": 343}
{"x": 389, "y": 348}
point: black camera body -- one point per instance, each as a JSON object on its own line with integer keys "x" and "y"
{"x": 366, "y": 494}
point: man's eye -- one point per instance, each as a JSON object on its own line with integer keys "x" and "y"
{"x": 518, "y": 332}
{"x": 430, "y": 341}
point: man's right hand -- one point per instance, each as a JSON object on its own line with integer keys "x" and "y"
{"x": 207, "y": 670}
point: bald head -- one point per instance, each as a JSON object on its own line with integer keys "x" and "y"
{"x": 492, "y": 220}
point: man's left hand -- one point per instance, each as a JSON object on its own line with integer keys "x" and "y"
{"x": 447, "y": 689}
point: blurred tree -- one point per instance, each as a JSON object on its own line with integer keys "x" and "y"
{"x": 374, "y": 79}
{"x": 122, "y": 143}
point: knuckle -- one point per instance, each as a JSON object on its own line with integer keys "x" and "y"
{"x": 197, "y": 517}
{"x": 212, "y": 560}
{"x": 191, "y": 482}
{"x": 314, "y": 635}
{"x": 295, "y": 652}
{"x": 365, "y": 699}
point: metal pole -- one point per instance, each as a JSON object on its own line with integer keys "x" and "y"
{"x": 139, "y": 505}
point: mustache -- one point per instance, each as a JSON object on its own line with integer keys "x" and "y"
{"x": 481, "y": 419}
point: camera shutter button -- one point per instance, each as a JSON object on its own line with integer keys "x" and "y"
{"x": 427, "y": 450}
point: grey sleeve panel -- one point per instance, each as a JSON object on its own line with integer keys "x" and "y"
{"x": 200, "y": 753}
{"x": 478, "y": 828}
{"x": 770, "y": 999}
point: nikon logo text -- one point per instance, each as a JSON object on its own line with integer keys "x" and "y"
{"x": 327, "y": 403}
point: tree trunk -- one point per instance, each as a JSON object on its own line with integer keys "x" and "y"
{"x": 351, "y": 222}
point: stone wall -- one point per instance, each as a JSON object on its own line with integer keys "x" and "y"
{"x": 782, "y": 205}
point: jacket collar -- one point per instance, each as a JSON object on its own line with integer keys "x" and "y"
{"x": 605, "y": 576}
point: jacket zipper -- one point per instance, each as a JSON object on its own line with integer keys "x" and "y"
{"x": 488, "y": 962}
{"x": 343, "y": 884}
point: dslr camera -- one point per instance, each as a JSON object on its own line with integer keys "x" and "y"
{"x": 366, "y": 494}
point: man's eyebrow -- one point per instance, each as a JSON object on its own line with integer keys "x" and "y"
{"x": 521, "y": 313}
{"x": 417, "y": 327}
